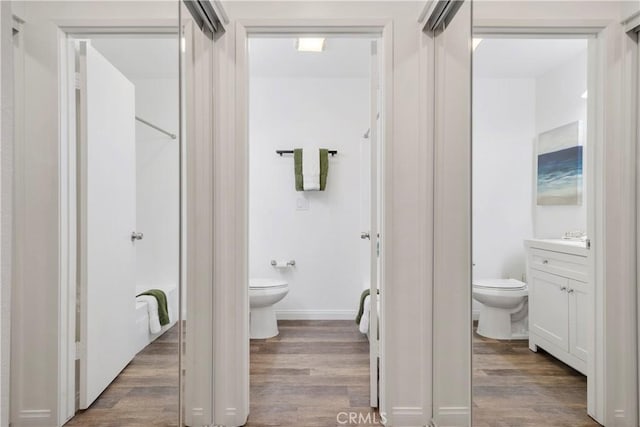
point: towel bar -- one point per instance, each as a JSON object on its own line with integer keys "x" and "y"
{"x": 281, "y": 152}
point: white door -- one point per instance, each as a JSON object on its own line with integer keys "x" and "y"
{"x": 373, "y": 232}
{"x": 107, "y": 191}
{"x": 550, "y": 307}
{"x": 578, "y": 318}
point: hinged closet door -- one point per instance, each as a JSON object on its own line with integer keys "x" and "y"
{"x": 107, "y": 195}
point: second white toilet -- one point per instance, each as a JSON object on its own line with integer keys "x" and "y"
{"x": 504, "y": 311}
{"x": 263, "y": 294}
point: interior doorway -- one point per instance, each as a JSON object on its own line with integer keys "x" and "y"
{"x": 124, "y": 205}
{"x": 315, "y": 126}
{"x": 534, "y": 214}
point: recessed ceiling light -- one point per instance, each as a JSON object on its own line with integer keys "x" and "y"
{"x": 310, "y": 44}
{"x": 475, "y": 43}
{"x": 585, "y": 94}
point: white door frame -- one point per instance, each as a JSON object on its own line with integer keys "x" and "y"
{"x": 68, "y": 191}
{"x": 10, "y": 49}
{"x": 375, "y": 27}
{"x": 595, "y": 163}
{"x": 616, "y": 247}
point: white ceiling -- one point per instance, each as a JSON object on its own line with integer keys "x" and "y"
{"x": 523, "y": 58}
{"x": 278, "y": 57}
{"x": 140, "y": 58}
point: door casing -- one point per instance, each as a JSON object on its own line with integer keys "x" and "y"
{"x": 379, "y": 28}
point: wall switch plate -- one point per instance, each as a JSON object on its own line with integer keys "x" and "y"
{"x": 302, "y": 204}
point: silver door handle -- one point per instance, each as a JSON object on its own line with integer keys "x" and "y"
{"x": 563, "y": 288}
{"x": 365, "y": 235}
{"x": 570, "y": 291}
{"x": 136, "y": 236}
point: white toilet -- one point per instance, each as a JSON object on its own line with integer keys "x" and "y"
{"x": 504, "y": 314}
{"x": 263, "y": 294}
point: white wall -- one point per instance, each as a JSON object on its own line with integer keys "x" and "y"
{"x": 157, "y": 183}
{"x": 503, "y": 139}
{"x": 559, "y": 102}
{"x": 324, "y": 240}
{"x": 509, "y": 114}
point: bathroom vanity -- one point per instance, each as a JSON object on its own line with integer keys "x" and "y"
{"x": 559, "y": 295}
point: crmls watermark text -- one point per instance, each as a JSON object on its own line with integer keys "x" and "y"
{"x": 358, "y": 418}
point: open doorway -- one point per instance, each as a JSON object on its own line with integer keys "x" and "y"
{"x": 534, "y": 313}
{"x": 125, "y": 148}
{"x": 314, "y": 143}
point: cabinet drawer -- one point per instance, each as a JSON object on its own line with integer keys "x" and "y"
{"x": 567, "y": 265}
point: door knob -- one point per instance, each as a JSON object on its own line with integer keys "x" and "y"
{"x": 570, "y": 290}
{"x": 136, "y": 236}
{"x": 563, "y": 288}
{"x": 365, "y": 235}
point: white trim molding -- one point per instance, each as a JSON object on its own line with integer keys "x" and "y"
{"x": 34, "y": 417}
{"x": 613, "y": 394}
{"x": 453, "y": 416}
{"x": 406, "y": 416}
{"x": 237, "y": 296}
{"x": 316, "y": 314}
{"x": 7, "y": 144}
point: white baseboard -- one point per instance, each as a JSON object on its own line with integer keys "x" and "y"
{"x": 35, "y": 417}
{"x": 453, "y": 416}
{"x": 316, "y": 314}
{"x": 407, "y": 416}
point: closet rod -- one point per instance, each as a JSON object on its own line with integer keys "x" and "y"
{"x": 159, "y": 129}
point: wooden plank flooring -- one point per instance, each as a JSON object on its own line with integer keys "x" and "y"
{"x": 308, "y": 374}
{"x": 145, "y": 394}
{"x": 515, "y": 387}
{"x": 315, "y": 369}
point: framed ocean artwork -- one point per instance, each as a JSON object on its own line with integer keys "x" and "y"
{"x": 560, "y": 155}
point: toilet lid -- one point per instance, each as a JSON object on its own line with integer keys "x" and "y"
{"x": 505, "y": 284}
{"x": 266, "y": 283}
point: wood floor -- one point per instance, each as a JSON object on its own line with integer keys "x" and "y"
{"x": 316, "y": 369}
{"x": 310, "y": 373}
{"x": 145, "y": 394}
{"x": 514, "y": 387}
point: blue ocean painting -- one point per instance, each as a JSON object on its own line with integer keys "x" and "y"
{"x": 560, "y": 177}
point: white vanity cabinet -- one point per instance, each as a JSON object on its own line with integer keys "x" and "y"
{"x": 558, "y": 282}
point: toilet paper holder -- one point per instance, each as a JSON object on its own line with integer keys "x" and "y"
{"x": 276, "y": 264}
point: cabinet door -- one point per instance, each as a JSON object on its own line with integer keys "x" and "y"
{"x": 549, "y": 308}
{"x": 578, "y": 312}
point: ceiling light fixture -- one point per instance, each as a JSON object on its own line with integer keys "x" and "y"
{"x": 475, "y": 43}
{"x": 310, "y": 44}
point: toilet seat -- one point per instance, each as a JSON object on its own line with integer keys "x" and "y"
{"x": 500, "y": 284}
{"x": 267, "y": 284}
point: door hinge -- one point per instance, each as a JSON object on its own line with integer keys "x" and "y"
{"x": 588, "y": 243}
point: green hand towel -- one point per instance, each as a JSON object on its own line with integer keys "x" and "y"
{"x": 297, "y": 159}
{"x": 365, "y": 294}
{"x": 163, "y": 307}
{"x": 324, "y": 168}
